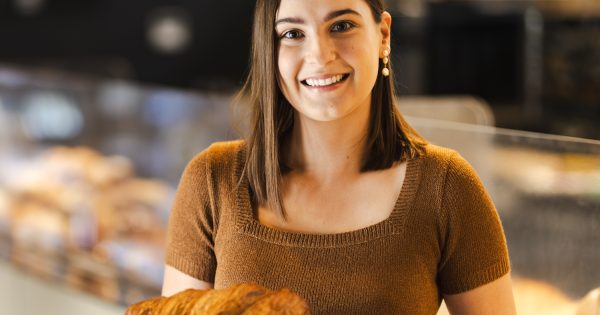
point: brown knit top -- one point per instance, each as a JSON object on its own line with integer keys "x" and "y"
{"x": 444, "y": 236}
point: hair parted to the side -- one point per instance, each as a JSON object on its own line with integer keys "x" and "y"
{"x": 390, "y": 138}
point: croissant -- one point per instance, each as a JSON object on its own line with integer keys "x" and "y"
{"x": 243, "y": 299}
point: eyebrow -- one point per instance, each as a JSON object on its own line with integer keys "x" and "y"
{"x": 330, "y": 16}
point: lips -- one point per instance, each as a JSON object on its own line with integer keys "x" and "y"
{"x": 324, "y": 81}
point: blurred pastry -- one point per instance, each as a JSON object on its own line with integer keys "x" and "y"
{"x": 534, "y": 297}
{"x": 38, "y": 226}
{"x": 590, "y": 304}
{"x": 5, "y": 213}
{"x": 539, "y": 297}
{"x": 76, "y": 202}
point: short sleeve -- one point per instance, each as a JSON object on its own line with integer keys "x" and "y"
{"x": 474, "y": 248}
{"x": 190, "y": 241}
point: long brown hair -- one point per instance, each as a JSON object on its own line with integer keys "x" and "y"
{"x": 390, "y": 138}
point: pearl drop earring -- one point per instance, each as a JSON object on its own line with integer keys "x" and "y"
{"x": 386, "y": 71}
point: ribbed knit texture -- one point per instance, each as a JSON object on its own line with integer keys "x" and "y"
{"x": 443, "y": 237}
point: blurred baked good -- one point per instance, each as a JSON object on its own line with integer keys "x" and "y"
{"x": 71, "y": 212}
{"x": 5, "y": 223}
{"x": 84, "y": 198}
{"x": 5, "y": 213}
{"x": 138, "y": 261}
{"x": 534, "y": 297}
{"x": 250, "y": 299}
{"x": 590, "y": 304}
{"x": 134, "y": 209}
{"x": 539, "y": 297}
{"x": 93, "y": 276}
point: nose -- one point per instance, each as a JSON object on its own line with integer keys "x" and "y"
{"x": 320, "y": 50}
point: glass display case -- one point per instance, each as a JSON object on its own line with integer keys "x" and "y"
{"x": 547, "y": 191}
{"x": 88, "y": 169}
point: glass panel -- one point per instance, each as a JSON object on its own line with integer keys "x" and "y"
{"x": 547, "y": 191}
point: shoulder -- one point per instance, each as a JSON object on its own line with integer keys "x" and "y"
{"x": 449, "y": 171}
{"x": 219, "y": 158}
{"x": 225, "y": 149}
{"x": 446, "y": 160}
{"x": 458, "y": 185}
{"x": 439, "y": 154}
{"x": 219, "y": 154}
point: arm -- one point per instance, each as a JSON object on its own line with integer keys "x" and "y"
{"x": 474, "y": 269}
{"x": 175, "y": 281}
{"x": 494, "y": 298}
{"x": 189, "y": 248}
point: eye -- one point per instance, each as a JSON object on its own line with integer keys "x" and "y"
{"x": 292, "y": 34}
{"x": 342, "y": 26}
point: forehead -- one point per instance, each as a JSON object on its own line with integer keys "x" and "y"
{"x": 320, "y": 8}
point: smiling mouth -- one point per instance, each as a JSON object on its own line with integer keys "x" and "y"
{"x": 325, "y": 82}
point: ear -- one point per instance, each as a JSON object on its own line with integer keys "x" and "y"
{"x": 386, "y": 32}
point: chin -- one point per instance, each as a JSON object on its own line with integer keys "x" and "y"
{"x": 326, "y": 114}
{"x": 327, "y": 111}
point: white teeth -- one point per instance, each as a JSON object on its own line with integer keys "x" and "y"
{"x": 325, "y": 82}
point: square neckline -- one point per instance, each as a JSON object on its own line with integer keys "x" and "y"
{"x": 248, "y": 223}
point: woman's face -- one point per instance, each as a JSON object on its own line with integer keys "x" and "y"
{"x": 328, "y": 56}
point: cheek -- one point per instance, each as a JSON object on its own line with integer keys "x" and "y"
{"x": 281, "y": 71}
{"x": 369, "y": 59}
{"x": 362, "y": 57}
{"x": 289, "y": 62}
{"x": 286, "y": 65}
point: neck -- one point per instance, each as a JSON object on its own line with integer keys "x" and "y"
{"x": 328, "y": 150}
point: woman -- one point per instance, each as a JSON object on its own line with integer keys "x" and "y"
{"x": 333, "y": 195}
